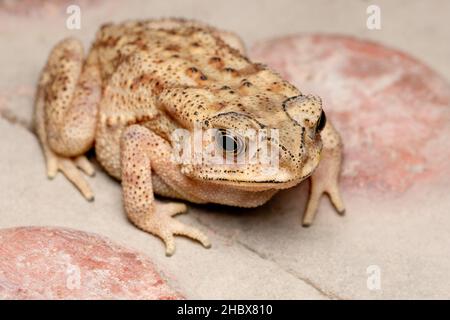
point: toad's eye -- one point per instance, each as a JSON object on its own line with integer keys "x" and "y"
{"x": 228, "y": 142}
{"x": 321, "y": 123}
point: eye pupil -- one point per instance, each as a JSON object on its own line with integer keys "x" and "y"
{"x": 228, "y": 142}
{"x": 321, "y": 123}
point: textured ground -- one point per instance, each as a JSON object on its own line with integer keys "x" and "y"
{"x": 393, "y": 112}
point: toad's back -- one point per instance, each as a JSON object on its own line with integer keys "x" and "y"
{"x": 185, "y": 54}
{"x": 181, "y": 43}
{"x": 182, "y": 53}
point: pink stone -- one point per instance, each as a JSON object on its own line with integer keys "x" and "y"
{"x": 58, "y": 263}
{"x": 392, "y": 110}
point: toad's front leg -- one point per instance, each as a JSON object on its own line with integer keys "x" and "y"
{"x": 140, "y": 150}
{"x": 325, "y": 177}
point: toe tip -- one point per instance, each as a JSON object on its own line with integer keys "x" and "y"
{"x": 170, "y": 252}
{"x": 306, "y": 224}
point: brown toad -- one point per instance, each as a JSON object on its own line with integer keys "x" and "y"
{"x": 143, "y": 81}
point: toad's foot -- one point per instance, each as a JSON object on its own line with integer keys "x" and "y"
{"x": 162, "y": 224}
{"x": 320, "y": 185}
{"x": 71, "y": 167}
{"x": 325, "y": 177}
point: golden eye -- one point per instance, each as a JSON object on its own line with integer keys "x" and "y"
{"x": 321, "y": 123}
{"x": 228, "y": 142}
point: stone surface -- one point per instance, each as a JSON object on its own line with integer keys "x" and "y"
{"x": 57, "y": 263}
{"x": 397, "y": 207}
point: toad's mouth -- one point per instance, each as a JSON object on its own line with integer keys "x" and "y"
{"x": 249, "y": 178}
{"x": 256, "y": 185}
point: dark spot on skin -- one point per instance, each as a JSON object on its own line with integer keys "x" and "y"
{"x": 172, "y": 47}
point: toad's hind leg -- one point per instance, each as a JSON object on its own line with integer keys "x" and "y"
{"x": 325, "y": 177}
{"x": 139, "y": 149}
{"x": 66, "y": 112}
